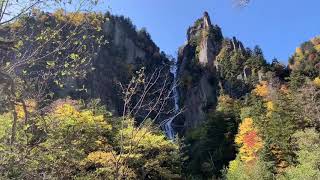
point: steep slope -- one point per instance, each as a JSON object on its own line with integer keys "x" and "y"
{"x": 197, "y": 70}
{"x": 210, "y": 65}
{"x": 217, "y": 76}
{"x": 305, "y": 62}
{"x": 105, "y": 51}
{"x": 307, "y": 57}
{"x": 126, "y": 52}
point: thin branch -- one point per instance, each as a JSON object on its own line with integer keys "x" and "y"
{"x": 19, "y": 14}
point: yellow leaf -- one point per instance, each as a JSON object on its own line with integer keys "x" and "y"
{"x": 262, "y": 89}
{"x": 316, "y": 82}
{"x": 30, "y": 106}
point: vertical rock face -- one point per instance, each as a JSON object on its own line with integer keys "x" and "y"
{"x": 210, "y": 65}
{"x": 197, "y": 71}
{"x": 206, "y": 38}
{"x": 126, "y": 52}
{"x": 121, "y": 38}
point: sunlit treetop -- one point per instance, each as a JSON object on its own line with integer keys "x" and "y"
{"x": 68, "y": 114}
{"x": 78, "y": 18}
{"x": 306, "y": 58}
{"x": 316, "y": 82}
{"x": 270, "y": 106}
{"x": 262, "y": 89}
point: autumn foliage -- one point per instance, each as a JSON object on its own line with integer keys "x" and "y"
{"x": 30, "y": 106}
{"x": 316, "y": 82}
{"x": 249, "y": 141}
{"x": 262, "y": 89}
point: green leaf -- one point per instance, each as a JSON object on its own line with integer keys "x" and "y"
{"x": 74, "y": 56}
{"x": 66, "y": 64}
{"x": 50, "y": 64}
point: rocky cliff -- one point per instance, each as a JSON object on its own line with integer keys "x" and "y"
{"x": 111, "y": 49}
{"x": 210, "y": 65}
{"x": 197, "y": 70}
{"x": 126, "y": 52}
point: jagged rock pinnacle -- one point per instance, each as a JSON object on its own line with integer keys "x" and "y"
{"x": 203, "y": 23}
{"x": 204, "y": 44}
{"x": 206, "y": 19}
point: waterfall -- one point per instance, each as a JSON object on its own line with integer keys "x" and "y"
{"x": 168, "y": 129}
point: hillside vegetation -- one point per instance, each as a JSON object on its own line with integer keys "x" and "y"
{"x": 86, "y": 96}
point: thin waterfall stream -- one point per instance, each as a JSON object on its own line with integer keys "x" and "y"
{"x": 168, "y": 129}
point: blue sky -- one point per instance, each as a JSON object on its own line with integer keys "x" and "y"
{"x": 277, "y": 26}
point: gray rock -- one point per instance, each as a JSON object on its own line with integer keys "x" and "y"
{"x": 198, "y": 98}
{"x": 247, "y": 72}
{"x": 123, "y": 40}
{"x": 261, "y": 75}
{"x": 240, "y": 77}
{"x": 201, "y": 94}
{"x": 207, "y": 52}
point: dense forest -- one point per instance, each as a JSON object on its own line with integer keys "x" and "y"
{"x": 87, "y": 95}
